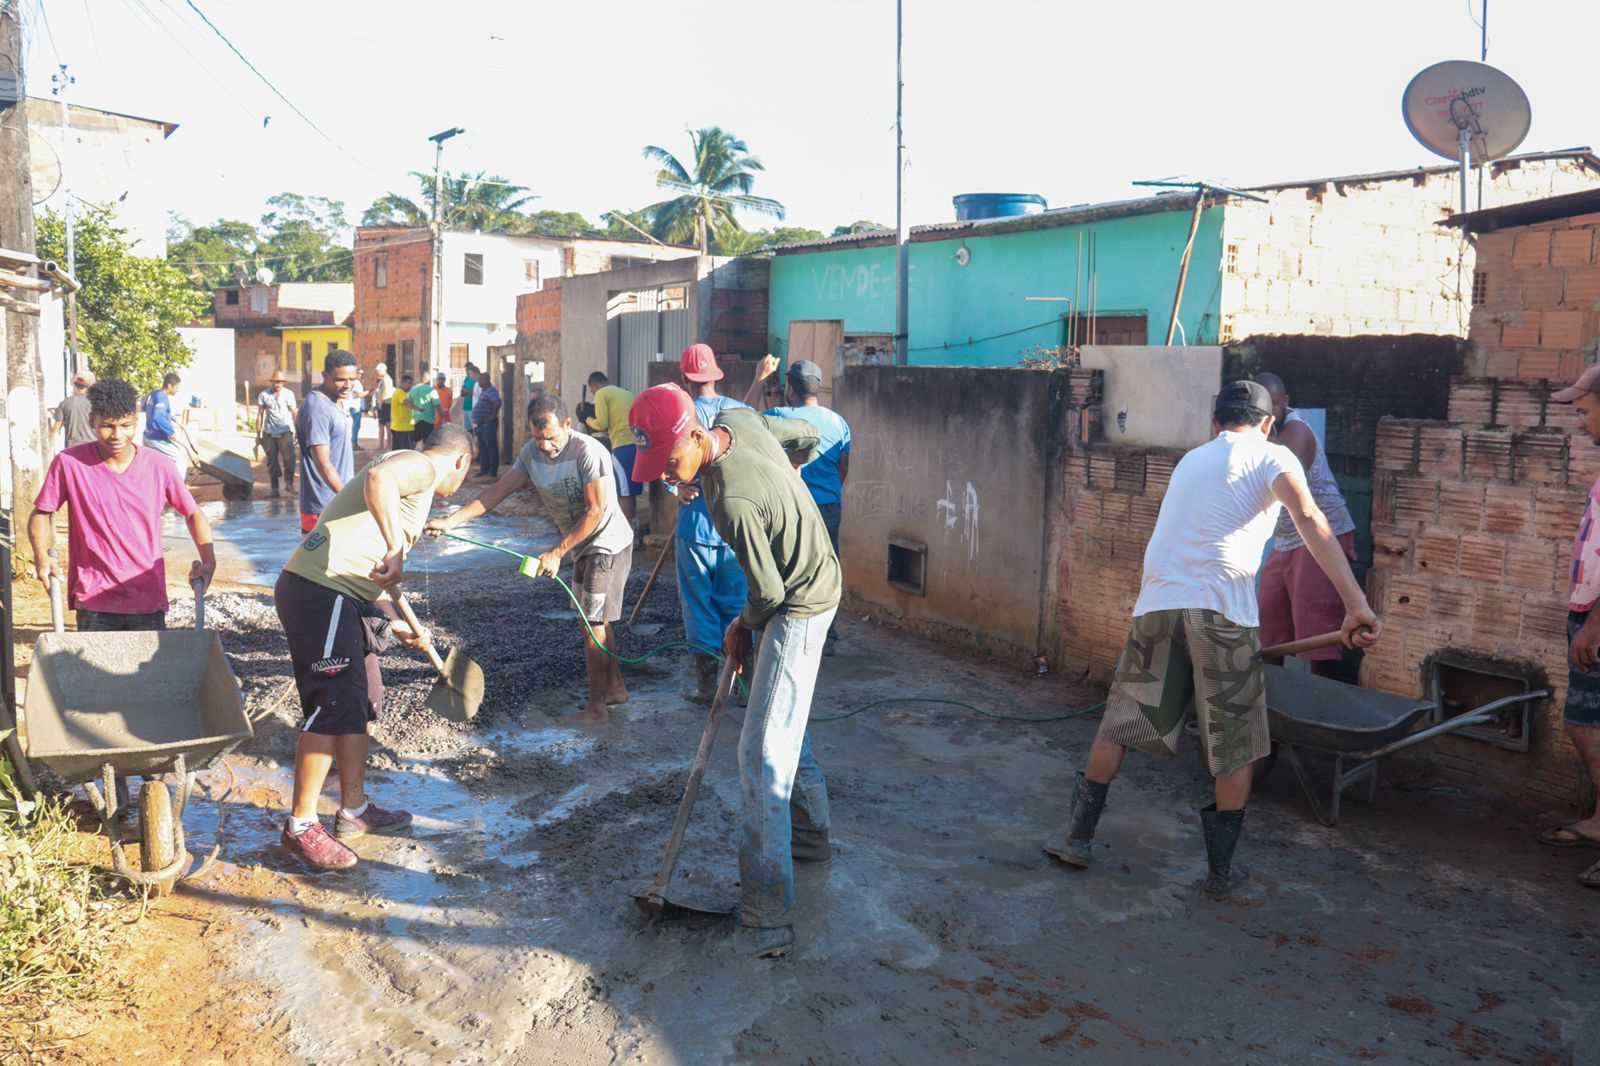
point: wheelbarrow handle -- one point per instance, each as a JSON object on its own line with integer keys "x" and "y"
{"x": 199, "y": 603}
{"x": 58, "y": 615}
{"x": 1295, "y": 647}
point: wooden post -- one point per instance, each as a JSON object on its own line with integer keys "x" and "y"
{"x": 24, "y": 413}
{"x": 1183, "y": 264}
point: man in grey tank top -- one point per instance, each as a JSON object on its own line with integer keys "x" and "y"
{"x": 1296, "y": 598}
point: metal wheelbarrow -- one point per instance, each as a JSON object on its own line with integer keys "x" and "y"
{"x": 141, "y": 704}
{"x": 1356, "y": 726}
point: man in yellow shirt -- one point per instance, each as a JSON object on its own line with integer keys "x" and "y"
{"x": 610, "y": 421}
{"x": 402, "y": 420}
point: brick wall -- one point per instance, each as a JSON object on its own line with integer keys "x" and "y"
{"x": 255, "y": 357}
{"x": 540, "y": 311}
{"x": 1472, "y": 526}
{"x": 1538, "y": 315}
{"x": 399, "y": 311}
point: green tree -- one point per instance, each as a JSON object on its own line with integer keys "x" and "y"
{"x": 484, "y": 202}
{"x": 215, "y": 255}
{"x": 130, "y": 307}
{"x": 862, "y": 226}
{"x": 744, "y": 242}
{"x": 556, "y": 224}
{"x": 306, "y": 238}
{"x": 710, "y": 192}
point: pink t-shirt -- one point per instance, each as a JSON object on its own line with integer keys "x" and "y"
{"x": 114, "y": 526}
{"x": 1586, "y": 556}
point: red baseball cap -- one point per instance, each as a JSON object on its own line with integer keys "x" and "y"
{"x": 699, "y": 363}
{"x": 662, "y": 415}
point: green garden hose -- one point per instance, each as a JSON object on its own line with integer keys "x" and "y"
{"x": 527, "y": 569}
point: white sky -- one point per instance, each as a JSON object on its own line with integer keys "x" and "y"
{"x": 1070, "y": 98}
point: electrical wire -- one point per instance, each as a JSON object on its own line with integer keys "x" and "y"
{"x": 970, "y": 341}
{"x": 256, "y": 71}
{"x": 677, "y": 645}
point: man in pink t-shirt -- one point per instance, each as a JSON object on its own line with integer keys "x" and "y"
{"x": 115, "y": 492}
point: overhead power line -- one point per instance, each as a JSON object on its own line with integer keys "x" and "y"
{"x": 254, "y": 70}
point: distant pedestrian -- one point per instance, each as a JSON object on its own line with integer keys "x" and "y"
{"x": 402, "y": 424}
{"x": 447, "y": 397}
{"x": 711, "y": 587}
{"x": 486, "y": 424}
{"x": 825, "y": 475}
{"x": 424, "y": 399}
{"x": 572, "y": 474}
{"x": 160, "y": 433}
{"x": 354, "y": 404}
{"x": 469, "y": 385}
{"x": 611, "y": 406}
{"x": 72, "y": 414}
{"x": 382, "y": 393}
{"x": 1297, "y": 598}
{"x": 327, "y": 456}
{"x": 275, "y": 417}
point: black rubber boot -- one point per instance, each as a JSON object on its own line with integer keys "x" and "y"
{"x": 807, "y": 842}
{"x": 1222, "y": 829}
{"x": 705, "y": 679}
{"x": 1088, "y": 803}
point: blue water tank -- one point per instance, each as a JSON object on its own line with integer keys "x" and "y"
{"x": 976, "y": 205}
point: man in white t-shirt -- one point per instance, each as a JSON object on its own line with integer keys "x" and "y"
{"x": 1195, "y": 625}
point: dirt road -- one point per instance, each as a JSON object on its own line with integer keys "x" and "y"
{"x": 501, "y": 930}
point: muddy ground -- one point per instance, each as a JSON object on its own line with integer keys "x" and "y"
{"x": 501, "y": 930}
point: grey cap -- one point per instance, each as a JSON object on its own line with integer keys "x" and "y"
{"x": 806, "y": 370}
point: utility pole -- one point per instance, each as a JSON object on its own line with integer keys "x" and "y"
{"x": 24, "y": 412}
{"x": 902, "y": 267}
{"x": 437, "y": 226}
{"x": 59, "y": 82}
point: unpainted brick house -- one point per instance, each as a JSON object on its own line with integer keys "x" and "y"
{"x": 260, "y": 314}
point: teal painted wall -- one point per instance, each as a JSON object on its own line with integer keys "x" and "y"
{"x": 958, "y": 313}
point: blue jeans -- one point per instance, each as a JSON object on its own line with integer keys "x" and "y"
{"x": 466, "y": 419}
{"x": 830, "y": 518}
{"x": 355, "y": 429}
{"x": 711, "y": 591}
{"x": 776, "y": 768}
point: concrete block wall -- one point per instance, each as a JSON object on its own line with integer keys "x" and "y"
{"x": 1539, "y": 314}
{"x": 1344, "y": 259}
{"x": 539, "y": 312}
{"x": 1472, "y": 526}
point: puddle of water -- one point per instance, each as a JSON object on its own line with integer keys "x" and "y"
{"x": 255, "y": 538}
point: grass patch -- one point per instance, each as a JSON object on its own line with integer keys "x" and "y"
{"x": 53, "y": 927}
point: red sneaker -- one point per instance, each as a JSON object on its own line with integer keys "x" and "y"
{"x": 316, "y": 848}
{"x": 374, "y": 819}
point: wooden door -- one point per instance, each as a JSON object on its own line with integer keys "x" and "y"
{"x": 818, "y": 340}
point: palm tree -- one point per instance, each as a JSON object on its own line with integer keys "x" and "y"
{"x": 724, "y": 172}
{"x": 478, "y": 201}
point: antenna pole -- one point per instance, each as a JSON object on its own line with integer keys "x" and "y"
{"x": 1464, "y": 137}
{"x": 902, "y": 266}
{"x": 1483, "y": 24}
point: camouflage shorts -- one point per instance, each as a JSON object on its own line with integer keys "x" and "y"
{"x": 1174, "y": 655}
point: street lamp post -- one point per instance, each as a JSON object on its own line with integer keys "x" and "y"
{"x": 436, "y": 225}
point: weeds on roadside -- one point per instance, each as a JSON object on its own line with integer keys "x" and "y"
{"x": 50, "y": 934}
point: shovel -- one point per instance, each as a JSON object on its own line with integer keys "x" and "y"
{"x": 458, "y": 693}
{"x": 653, "y": 901}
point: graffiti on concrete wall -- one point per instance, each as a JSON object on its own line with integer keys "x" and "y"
{"x": 862, "y": 282}
{"x": 966, "y": 512}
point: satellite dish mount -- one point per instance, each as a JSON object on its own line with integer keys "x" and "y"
{"x": 1467, "y": 112}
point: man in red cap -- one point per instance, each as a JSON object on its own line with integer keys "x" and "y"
{"x": 761, "y": 508}
{"x": 1582, "y": 712}
{"x": 711, "y": 587}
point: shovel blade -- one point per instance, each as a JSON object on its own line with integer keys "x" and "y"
{"x": 458, "y": 693}
{"x": 685, "y": 902}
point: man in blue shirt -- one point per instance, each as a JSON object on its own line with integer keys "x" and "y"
{"x": 825, "y": 475}
{"x": 159, "y": 431}
{"x": 327, "y": 459}
{"x": 711, "y": 586}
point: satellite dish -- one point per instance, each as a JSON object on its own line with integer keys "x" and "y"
{"x": 264, "y": 276}
{"x": 1458, "y": 97}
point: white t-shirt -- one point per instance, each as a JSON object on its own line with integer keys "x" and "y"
{"x": 1216, "y": 519}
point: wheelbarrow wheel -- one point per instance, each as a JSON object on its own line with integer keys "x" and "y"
{"x": 155, "y": 833}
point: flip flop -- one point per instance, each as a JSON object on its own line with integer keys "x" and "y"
{"x": 1551, "y": 838}
{"x": 1590, "y": 878}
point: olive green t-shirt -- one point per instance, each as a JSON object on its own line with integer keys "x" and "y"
{"x": 346, "y": 545}
{"x": 766, "y": 514}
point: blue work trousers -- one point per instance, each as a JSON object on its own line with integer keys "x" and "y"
{"x": 711, "y": 590}
{"x": 776, "y": 767}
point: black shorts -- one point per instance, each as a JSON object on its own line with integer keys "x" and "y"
{"x": 384, "y": 411}
{"x": 334, "y": 644}
{"x": 600, "y": 581}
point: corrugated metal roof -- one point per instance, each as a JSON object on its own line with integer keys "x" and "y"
{"x": 1583, "y": 153}
{"x": 1528, "y": 212}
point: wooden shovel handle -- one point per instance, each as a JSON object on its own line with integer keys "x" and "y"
{"x": 410, "y": 617}
{"x": 1295, "y": 647}
{"x": 691, "y": 788}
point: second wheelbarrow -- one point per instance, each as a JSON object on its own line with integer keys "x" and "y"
{"x": 140, "y": 704}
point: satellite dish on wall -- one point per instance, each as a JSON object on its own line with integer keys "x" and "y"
{"x": 1459, "y": 96}
{"x": 264, "y": 276}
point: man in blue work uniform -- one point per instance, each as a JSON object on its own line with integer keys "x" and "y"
{"x": 711, "y": 586}
{"x": 160, "y": 433}
{"x": 825, "y": 475}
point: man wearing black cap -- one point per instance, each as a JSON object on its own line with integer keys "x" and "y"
{"x": 1195, "y": 625}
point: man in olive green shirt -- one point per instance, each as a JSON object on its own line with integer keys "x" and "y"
{"x": 747, "y": 468}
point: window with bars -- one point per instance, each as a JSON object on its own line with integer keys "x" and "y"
{"x": 408, "y": 359}
{"x": 458, "y": 356}
{"x": 530, "y": 272}
{"x": 1480, "y": 288}
{"x": 1230, "y": 261}
{"x": 231, "y": 298}
{"x": 472, "y": 269}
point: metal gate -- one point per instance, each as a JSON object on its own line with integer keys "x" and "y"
{"x": 652, "y": 323}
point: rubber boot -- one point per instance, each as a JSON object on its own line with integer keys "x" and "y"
{"x": 705, "y": 679}
{"x": 1088, "y": 803}
{"x": 807, "y": 842}
{"x": 1222, "y": 829}
{"x": 766, "y": 942}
